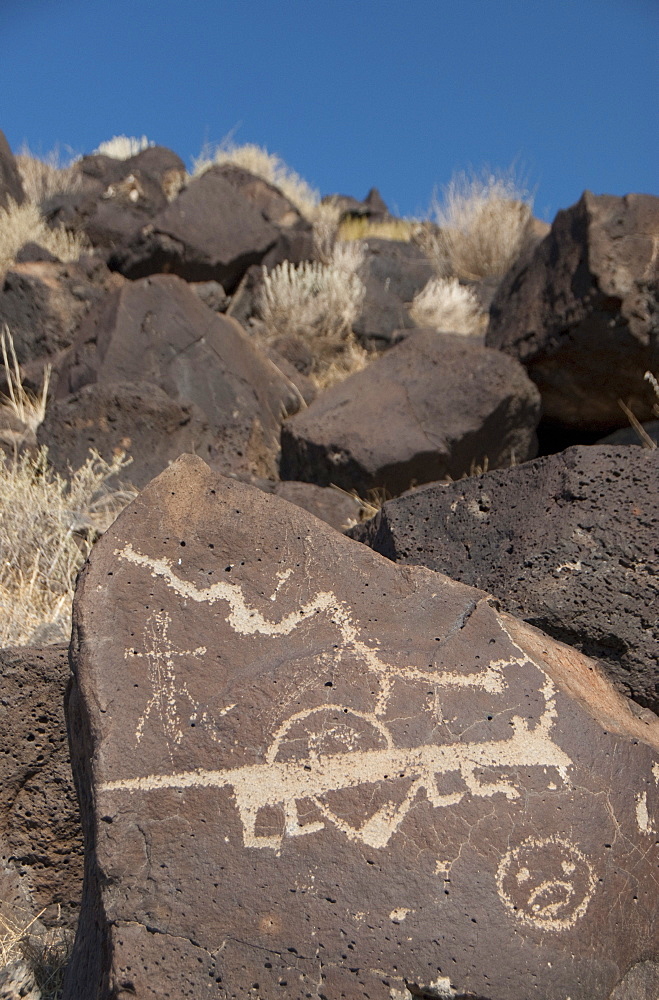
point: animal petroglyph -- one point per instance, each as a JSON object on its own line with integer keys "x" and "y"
{"x": 554, "y": 902}
{"x": 321, "y": 751}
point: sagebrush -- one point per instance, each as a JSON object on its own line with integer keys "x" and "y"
{"x": 21, "y": 224}
{"x": 448, "y": 306}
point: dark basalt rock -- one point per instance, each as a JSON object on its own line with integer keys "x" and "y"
{"x": 582, "y": 312}
{"x": 433, "y": 406}
{"x": 568, "y": 542}
{"x": 306, "y": 771}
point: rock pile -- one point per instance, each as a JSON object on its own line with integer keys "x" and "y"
{"x": 306, "y": 770}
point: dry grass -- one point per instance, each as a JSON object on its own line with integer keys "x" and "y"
{"x": 647, "y": 441}
{"x": 29, "y": 407}
{"x": 122, "y": 147}
{"x": 318, "y": 303}
{"x": 35, "y": 955}
{"x": 44, "y": 178}
{"x": 448, "y": 306}
{"x": 21, "y": 224}
{"x": 384, "y": 229}
{"x": 483, "y": 224}
{"x": 267, "y": 165}
{"x": 48, "y": 525}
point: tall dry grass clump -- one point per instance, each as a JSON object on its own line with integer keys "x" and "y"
{"x": 48, "y": 523}
{"x": 269, "y": 166}
{"x": 21, "y": 224}
{"x": 483, "y": 223}
{"x": 43, "y": 178}
{"x": 447, "y": 305}
{"x": 318, "y": 303}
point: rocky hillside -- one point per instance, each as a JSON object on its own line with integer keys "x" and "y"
{"x": 420, "y": 761}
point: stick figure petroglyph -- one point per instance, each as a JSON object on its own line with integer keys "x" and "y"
{"x": 337, "y": 747}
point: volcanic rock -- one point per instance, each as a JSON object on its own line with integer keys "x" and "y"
{"x": 40, "y": 835}
{"x": 156, "y": 330}
{"x": 211, "y": 232}
{"x": 308, "y": 772}
{"x": 137, "y": 418}
{"x": 567, "y": 542}
{"x": 433, "y": 406}
{"x": 582, "y": 312}
{"x": 393, "y": 272}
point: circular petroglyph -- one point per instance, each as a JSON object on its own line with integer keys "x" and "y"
{"x": 546, "y": 882}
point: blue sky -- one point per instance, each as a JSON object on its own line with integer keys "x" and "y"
{"x": 351, "y": 93}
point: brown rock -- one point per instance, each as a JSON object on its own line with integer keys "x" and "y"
{"x": 43, "y": 303}
{"x": 335, "y": 507}
{"x": 268, "y": 199}
{"x": 431, "y": 407}
{"x": 138, "y": 418}
{"x": 567, "y": 542}
{"x": 40, "y": 835}
{"x": 11, "y": 187}
{"x": 118, "y": 197}
{"x": 308, "y": 772}
{"x": 156, "y": 330}
{"x": 582, "y": 312}
{"x": 210, "y": 232}
{"x": 393, "y": 272}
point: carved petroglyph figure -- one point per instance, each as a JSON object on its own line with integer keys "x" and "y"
{"x": 362, "y": 749}
{"x": 552, "y": 903}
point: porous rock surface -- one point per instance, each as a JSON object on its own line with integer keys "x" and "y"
{"x": 568, "y": 542}
{"x": 156, "y": 330}
{"x": 308, "y": 772}
{"x": 433, "y": 406}
{"x": 40, "y": 834}
{"x": 581, "y": 312}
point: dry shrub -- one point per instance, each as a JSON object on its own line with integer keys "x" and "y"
{"x": 29, "y": 407}
{"x": 318, "y": 303}
{"x": 33, "y": 957}
{"x": 483, "y": 224}
{"x": 384, "y": 229}
{"x": 21, "y": 224}
{"x": 122, "y": 147}
{"x": 43, "y": 178}
{"x": 48, "y": 525}
{"x": 325, "y": 220}
{"x": 268, "y": 166}
{"x": 447, "y": 305}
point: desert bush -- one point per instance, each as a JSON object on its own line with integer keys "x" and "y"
{"x": 318, "y": 303}
{"x": 45, "y": 177}
{"x": 122, "y": 147}
{"x": 483, "y": 224}
{"x": 48, "y": 525}
{"x": 447, "y": 305}
{"x": 269, "y": 166}
{"x": 21, "y": 224}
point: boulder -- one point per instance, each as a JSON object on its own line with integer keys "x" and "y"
{"x": 582, "y": 312}
{"x": 156, "y": 330}
{"x": 40, "y": 834}
{"x": 433, "y": 406}
{"x": 11, "y": 187}
{"x": 335, "y": 507}
{"x": 114, "y": 198}
{"x": 306, "y": 771}
{"x": 43, "y": 303}
{"x": 393, "y": 272}
{"x": 211, "y": 232}
{"x": 138, "y": 418}
{"x": 567, "y": 542}
{"x": 274, "y": 206}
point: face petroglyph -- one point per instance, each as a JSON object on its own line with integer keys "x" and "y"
{"x": 334, "y": 747}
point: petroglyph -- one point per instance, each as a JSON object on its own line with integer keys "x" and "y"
{"x": 554, "y": 903}
{"x": 162, "y": 677}
{"x": 643, "y": 820}
{"x": 318, "y": 752}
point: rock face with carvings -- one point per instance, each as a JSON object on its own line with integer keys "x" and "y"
{"x": 306, "y": 771}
